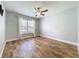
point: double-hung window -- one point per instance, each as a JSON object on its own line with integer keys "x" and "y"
{"x": 26, "y": 26}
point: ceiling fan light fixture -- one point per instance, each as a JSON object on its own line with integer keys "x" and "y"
{"x": 38, "y": 13}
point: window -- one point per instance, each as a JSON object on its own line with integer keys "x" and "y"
{"x": 26, "y": 26}
{"x": 30, "y": 26}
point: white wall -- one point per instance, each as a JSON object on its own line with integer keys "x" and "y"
{"x": 62, "y": 24}
{"x": 78, "y": 27}
{"x": 37, "y": 25}
{"x": 11, "y": 25}
{"x": 2, "y": 31}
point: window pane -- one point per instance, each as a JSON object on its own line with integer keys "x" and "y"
{"x": 31, "y": 23}
{"x": 30, "y": 29}
{"x": 23, "y": 26}
{"x": 31, "y": 26}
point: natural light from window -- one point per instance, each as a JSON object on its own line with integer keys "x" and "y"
{"x": 26, "y": 26}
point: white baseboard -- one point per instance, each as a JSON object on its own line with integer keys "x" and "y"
{"x": 8, "y": 40}
{"x": 53, "y": 38}
{"x": 2, "y": 49}
{"x": 13, "y": 39}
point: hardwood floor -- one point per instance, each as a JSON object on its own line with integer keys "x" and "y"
{"x": 39, "y": 47}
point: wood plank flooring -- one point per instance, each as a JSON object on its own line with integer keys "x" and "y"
{"x": 39, "y": 47}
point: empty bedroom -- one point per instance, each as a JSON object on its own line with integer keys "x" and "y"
{"x": 38, "y": 29}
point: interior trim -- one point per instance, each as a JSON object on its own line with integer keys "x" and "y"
{"x": 8, "y": 40}
{"x": 2, "y": 49}
{"x": 53, "y": 38}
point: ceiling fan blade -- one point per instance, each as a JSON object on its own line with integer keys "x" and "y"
{"x": 35, "y": 9}
{"x": 44, "y": 10}
{"x": 36, "y": 15}
{"x": 38, "y": 8}
{"x": 43, "y": 14}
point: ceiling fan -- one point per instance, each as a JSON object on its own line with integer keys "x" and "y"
{"x": 38, "y": 11}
